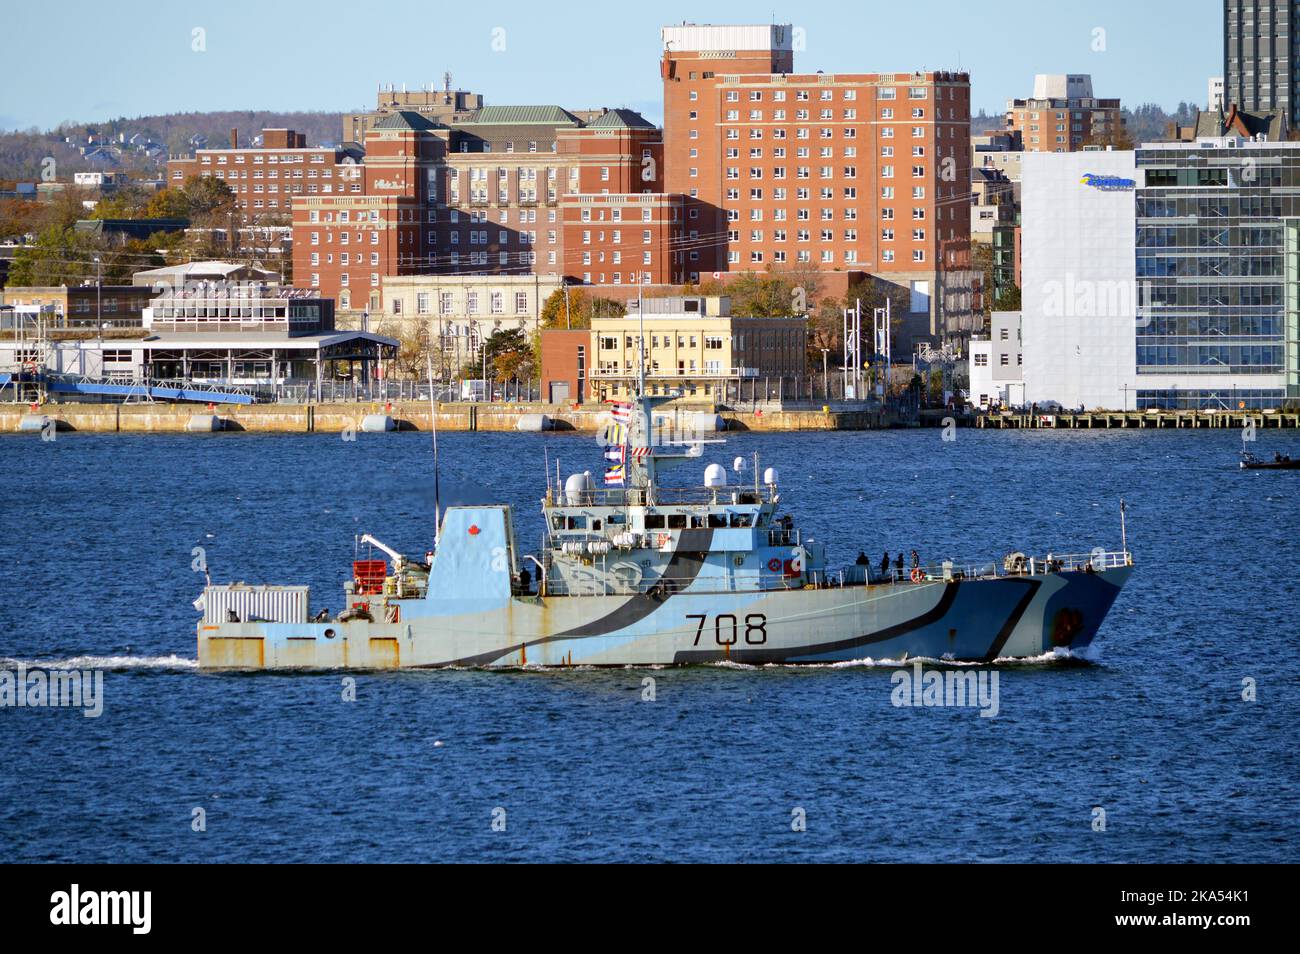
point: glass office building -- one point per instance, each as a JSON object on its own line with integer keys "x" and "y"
{"x": 1216, "y": 266}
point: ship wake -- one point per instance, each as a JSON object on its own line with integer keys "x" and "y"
{"x": 166, "y": 663}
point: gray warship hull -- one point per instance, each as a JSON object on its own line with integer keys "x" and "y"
{"x": 819, "y": 620}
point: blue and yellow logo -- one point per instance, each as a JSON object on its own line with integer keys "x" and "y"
{"x": 1108, "y": 183}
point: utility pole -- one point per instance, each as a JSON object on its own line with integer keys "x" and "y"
{"x": 99, "y": 313}
{"x": 826, "y": 373}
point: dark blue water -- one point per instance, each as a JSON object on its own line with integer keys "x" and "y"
{"x": 95, "y": 561}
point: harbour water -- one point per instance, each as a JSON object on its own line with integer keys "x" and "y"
{"x": 97, "y": 571}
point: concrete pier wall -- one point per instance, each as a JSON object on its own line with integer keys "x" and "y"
{"x": 336, "y": 418}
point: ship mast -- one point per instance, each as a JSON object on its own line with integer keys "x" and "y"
{"x": 643, "y": 465}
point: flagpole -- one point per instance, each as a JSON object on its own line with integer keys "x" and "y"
{"x": 433, "y": 428}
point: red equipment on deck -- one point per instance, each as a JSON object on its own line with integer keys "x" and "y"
{"x": 368, "y": 575}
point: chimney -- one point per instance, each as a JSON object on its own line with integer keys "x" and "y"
{"x": 234, "y": 138}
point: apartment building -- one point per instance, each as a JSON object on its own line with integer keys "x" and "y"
{"x": 693, "y": 344}
{"x": 862, "y": 171}
{"x": 266, "y": 178}
{"x": 1063, "y": 115}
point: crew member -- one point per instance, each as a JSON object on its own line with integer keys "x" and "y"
{"x": 862, "y": 558}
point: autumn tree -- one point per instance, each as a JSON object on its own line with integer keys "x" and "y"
{"x": 19, "y": 217}
{"x": 581, "y": 308}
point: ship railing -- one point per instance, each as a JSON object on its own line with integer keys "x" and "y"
{"x": 1096, "y": 561}
{"x": 663, "y": 496}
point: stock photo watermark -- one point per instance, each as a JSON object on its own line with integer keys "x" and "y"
{"x": 27, "y": 687}
{"x": 921, "y": 688}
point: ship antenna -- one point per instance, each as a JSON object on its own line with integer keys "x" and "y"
{"x": 640, "y": 310}
{"x": 433, "y": 427}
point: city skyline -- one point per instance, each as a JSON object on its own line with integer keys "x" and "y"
{"x": 507, "y": 54}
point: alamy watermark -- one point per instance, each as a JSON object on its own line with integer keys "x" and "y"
{"x": 34, "y": 688}
{"x": 920, "y": 688}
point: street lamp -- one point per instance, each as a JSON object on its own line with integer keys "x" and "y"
{"x": 826, "y": 373}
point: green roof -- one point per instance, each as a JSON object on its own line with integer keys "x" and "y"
{"x": 621, "y": 119}
{"x": 522, "y": 116}
{"x": 406, "y": 119}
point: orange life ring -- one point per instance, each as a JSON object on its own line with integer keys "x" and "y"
{"x": 918, "y": 575}
{"x": 664, "y": 539}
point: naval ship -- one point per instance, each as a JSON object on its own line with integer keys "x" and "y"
{"x": 632, "y": 573}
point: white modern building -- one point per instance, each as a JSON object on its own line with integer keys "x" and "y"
{"x": 1078, "y": 269}
{"x": 1163, "y": 277}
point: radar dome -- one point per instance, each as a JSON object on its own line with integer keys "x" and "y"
{"x": 575, "y": 487}
{"x": 771, "y": 477}
{"x": 739, "y": 465}
{"x": 715, "y": 476}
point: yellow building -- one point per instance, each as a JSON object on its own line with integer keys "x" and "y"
{"x": 697, "y": 346}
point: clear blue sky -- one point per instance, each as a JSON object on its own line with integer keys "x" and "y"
{"x": 91, "y": 61}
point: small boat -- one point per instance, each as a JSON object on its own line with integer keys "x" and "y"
{"x": 1250, "y": 461}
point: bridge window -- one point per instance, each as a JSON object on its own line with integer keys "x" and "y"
{"x": 677, "y": 521}
{"x": 654, "y": 521}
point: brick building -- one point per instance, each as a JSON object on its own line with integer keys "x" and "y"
{"x": 564, "y": 366}
{"x": 1063, "y": 115}
{"x": 265, "y": 178}
{"x": 863, "y": 171}
{"x": 514, "y": 190}
{"x": 83, "y": 306}
{"x": 757, "y": 168}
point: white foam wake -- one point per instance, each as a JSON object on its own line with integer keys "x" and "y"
{"x": 103, "y": 662}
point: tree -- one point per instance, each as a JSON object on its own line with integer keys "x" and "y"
{"x": 19, "y": 217}
{"x": 59, "y": 256}
{"x": 204, "y": 201}
{"x": 207, "y": 197}
{"x": 826, "y": 322}
{"x": 129, "y": 202}
{"x": 508, "y": 353}
{"x": 581, "y": 308}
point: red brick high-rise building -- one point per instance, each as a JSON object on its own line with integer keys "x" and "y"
{"x": 861, "y": 172}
